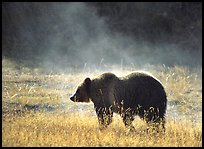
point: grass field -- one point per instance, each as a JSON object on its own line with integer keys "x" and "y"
{"x": 36, "y": 110}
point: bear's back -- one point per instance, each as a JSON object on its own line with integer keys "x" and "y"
{"x": 140, "y": 78}
{"x": 140, "y": 88}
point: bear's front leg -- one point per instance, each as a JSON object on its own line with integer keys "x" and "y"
{"x": 104, "y": 115}
{"x": 128, "y": 118}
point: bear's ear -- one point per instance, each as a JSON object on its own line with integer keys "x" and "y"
{"x": 87, "y": 81}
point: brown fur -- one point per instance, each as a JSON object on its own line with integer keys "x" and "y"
{"x": 136, "y": 94}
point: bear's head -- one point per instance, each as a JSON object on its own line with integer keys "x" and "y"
{"x": 83, "y": 92}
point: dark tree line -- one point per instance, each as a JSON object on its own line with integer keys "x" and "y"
{"x": 177, "y": 22}
{"x": 26, "y": 26}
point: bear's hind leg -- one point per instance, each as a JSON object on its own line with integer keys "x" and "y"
{"x": 156, "y": 123}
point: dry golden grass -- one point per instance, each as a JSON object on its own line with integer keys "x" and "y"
{"x": 22, "y": 127}
{"x": 80, "y": 130}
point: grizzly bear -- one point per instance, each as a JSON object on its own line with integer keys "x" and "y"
{"x": 135, "y": 94}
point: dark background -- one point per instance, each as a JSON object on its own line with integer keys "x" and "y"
{"x": 74, "y": 34}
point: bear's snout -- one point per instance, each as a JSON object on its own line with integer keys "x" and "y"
{"x": 73, "y": 98}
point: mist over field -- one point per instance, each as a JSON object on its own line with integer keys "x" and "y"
{"x": 57, "y": 36}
